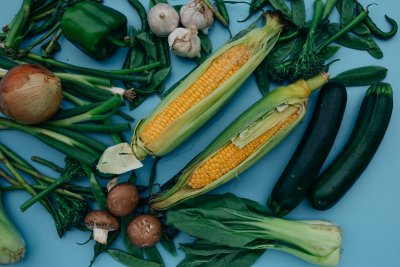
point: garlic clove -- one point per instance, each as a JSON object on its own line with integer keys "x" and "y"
{"x": 163, "y": 19}
{"x": 185, "y": 42}
{"x": 197, "y": 13}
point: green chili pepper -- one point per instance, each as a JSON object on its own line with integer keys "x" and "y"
{"x": 222, "y": 9}
{"x": 96, "y": 29}
{"x": 375, "y": 51}
{"x": 346, "y": 10}
{"x": 256, "y": 5}
{"x": 142, "y": 14}
{"x": 374, "y": 28}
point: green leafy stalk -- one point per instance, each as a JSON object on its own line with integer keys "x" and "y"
{"x": 16, "y": 27}
{"x": 229, "y": 225}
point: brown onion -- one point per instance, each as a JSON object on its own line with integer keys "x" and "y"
{"x": 30, "y": 94}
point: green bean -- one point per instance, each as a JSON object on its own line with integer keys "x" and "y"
{"x": 361, "y": 76}
{"x": 374, "y": 28}
{"x": 361, "y": 29}
{"x": 281, "y": 6}
{"x": 375, "y": 51}
{"x": 329, "y": 51}
{"x": 130, "y": 260}
{"x": 346, "y": 11}
{"x": 329, "y": 5}
{"x": 98, "y": 192}
{"x": 260, "y": 73}
{"x": 349, "y": 40}
{"x": 222, "y": 9}
{"x": 298, "y": 12}
{"x": 142, "y": 14}
{"x": 161, "y": 56}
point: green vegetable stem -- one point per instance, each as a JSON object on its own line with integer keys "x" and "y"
{"x": 72, "y": 171}
{"x": 12, "y": 244}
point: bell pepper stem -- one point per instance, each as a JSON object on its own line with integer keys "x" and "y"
{"x": 118, "y": 42}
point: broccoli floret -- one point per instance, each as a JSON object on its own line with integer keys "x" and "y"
{"x": 70, "y": 212}
{"x": 279, "y": 71}
{"x": 306, "y": 66}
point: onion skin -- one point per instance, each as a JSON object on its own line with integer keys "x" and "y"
{"x": 30, "y": 94}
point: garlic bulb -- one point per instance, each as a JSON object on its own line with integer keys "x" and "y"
{"x": 163, "y": 19}
{"x": 30, "y": 94}
{"x": 185, "y": 42}
{"x": 197, "y": 13}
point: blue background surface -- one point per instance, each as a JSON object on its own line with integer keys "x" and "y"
{"x": 368, "y": 215}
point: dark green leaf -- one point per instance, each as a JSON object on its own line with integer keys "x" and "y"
{"x": 148, "y": 44}
{"x": 206, "y": 44}
{"x": 168, "y": 245}
{"x": 349, "y": 40}
{"x": 298, "y": 12}
{"x": 132, "y": 249}
{"x": 152, "y": 254}
{"x": 262, "y": 79}
{"x": 329, "y": 51}
{"x": 130, "y": 260}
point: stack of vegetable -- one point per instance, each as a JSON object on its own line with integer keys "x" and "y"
{"x": 63, "y": 105}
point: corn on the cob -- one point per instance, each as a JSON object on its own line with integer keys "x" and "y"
{"x": 253, "y": 134}
{"x": 201, "y": 94}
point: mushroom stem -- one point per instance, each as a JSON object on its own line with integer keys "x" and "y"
{"x": 100, "y": 235}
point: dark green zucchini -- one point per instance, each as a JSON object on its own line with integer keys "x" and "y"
{"x": 309, "y": 157}
{"x": 369, "y": 130}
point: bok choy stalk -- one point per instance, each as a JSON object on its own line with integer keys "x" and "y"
{"x": 12, "y": 245}
{"x": 226, "y": 225}
{"x": 251, "y": 136}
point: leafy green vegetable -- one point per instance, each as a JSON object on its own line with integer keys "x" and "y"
{"x": 231, "y": 229}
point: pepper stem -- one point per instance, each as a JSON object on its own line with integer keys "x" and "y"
{"x": 121, "y": 43}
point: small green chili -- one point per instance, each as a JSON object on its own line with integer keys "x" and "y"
{"x": 374, "y": 28}
{"x": 142, "y": 14}
{"x": 222, "y": 9}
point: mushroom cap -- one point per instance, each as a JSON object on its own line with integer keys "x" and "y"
{"x": 122, "y": 199}
{"x": 144, "y": 230}
{"x": 101, "y": 219}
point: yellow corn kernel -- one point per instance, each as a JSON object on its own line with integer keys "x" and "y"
{"x": 230, "y": 156}
{"x": 219, "y": 71}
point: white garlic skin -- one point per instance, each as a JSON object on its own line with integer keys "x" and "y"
{"x": 198, "y": 14}
{"x": 163, "y": 19}
{"x": 185, "y": 42}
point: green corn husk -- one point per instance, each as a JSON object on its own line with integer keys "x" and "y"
{"x": 12, "y": 245}
{"x": 262, "y": 40}
{"x": 250, "y": 124}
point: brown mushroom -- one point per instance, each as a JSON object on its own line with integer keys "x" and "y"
{"x": 144, "y": 230}
{"x": 101, "y": 222}
{"x": 122, "y": 199}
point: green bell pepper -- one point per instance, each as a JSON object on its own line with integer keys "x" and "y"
{"x": 96, "y": 29}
